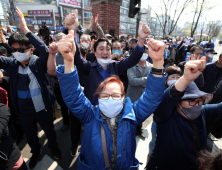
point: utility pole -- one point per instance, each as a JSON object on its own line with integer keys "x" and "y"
{"x": 138, "y": 19}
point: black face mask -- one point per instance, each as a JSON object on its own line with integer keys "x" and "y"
{"x": 192, "y": 113}
{"x": 93, "y": 37}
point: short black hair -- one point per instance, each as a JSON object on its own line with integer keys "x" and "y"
{"x": 194, "y": 48}
{"x": 83, "y": 50}
{"x": 3, "y": 51}
{"x": 101, "y": 40}
{"x": 173, "y": 70}
{"x": 134, "y": 40}
{"x": 129, "y": 35}
{"x": 21, "y": 39}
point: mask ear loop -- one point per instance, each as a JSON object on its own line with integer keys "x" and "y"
{"x": 6, "y": 158}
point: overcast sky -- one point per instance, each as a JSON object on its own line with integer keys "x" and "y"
{"x": 214, "y": 14}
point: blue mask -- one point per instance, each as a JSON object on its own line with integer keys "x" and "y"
{"x": 174, "y": 45}
{"x": 117, "y": 51}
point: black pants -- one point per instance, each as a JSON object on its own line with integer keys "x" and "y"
{"x": 75, "y": 130}
{"x": 64, "y": 108}
{"x": 28, "y": 122}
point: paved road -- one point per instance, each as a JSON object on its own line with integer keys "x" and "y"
{"x": 67, "y": 162}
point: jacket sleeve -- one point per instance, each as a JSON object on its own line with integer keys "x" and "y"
{"x": 212, "y": 111}
{"x": 4, "y": 62}
{"x": 4, "y": 119}
{"x": 73, "y": 95}
{"x": 82, "y": 65}
{"x": 150, "y": 99}
{"x": 130, "y": 61}
{"x": 163, "y": 111}
{"x": 40, "y": 47}
{"x": 86, "y": 31}
{"x": 100, "y": 31}
{"x": 133, "y": 80}
{"x": 199, "y": 81}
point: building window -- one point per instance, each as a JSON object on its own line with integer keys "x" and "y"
{"x": 121, "y": 10}
{"x": 125, "y": 11}
{"x": 125, "y": 4}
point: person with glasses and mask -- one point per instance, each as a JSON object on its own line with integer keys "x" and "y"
{"x": 109, "y": 133}
{"x": 181, "y": 122}
{"x": 102, "y": 67}
{"x": 30, "y": 92}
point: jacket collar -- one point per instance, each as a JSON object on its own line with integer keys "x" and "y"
{"x": 145, "y": 70}
{"x": 127, "y": 112}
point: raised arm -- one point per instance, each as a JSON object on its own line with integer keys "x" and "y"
{"x": 134, "y": 58}
{"x": 34, "y": 40}
{"x": 175, "y": 92}
{"x": 155, "y": 85}
{"x": 100, "y": 31}
{"x": 70, "y": 88}
{"x": 51, "y": 63}
{"x": 71, "y": 22}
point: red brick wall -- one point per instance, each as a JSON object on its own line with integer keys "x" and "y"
{"x": 109, "y": 15}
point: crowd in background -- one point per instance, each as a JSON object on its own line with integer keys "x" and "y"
{"x": 110, "y": 85}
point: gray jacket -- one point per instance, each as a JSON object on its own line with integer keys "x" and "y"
{"x": 100, "y": 32}
{"x": 137, "y": 81}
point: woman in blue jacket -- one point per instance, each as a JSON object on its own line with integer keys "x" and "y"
{"x": 109, "y": 134}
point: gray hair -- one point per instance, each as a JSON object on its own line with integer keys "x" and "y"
{"x": 58, "y": 35}
{"x": 87, "y": 36}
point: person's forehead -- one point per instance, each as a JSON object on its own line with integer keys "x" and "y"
{"x": 102, "y": 44}
{"x": 84, "y": 37}
{"x": 116, "y": 44}
{"x": 17, "y": 45}
{"x": 112, "y": 87}
{"x": 174, "y": 75}
{"x": 198, "y": 51}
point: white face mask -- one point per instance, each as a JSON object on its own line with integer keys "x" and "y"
{"x": 110, "y": 41}
{"x": 167, "y": 46}
{"x": 111, "y": 108}
{"x": 86, "y": 45}
{"x": 211, "y": 55}
{"x": 144, "y": 57}
{"x": 169, "y": 82}
{"x": 21, "y": 56}
{"x": 103, "y": 62}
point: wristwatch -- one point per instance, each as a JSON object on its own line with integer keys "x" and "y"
{"x": 155, "y": 70}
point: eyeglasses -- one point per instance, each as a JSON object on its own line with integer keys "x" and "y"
{"x": 21, "y": 50}
{"x": 194, "y": 102}
{"x": 115, "y": 96}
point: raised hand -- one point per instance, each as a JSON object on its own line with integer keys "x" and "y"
{"x": 96, "y": 19}
{"x": 67, "y": 48}
{"x": 143, "y": 31}
{"x": 156, "y": 51}
{"x": 71, "y": 21}
{"x": 53, "y": 48}
{"x": 22, "y": 22}
{"x": 194, "y": 68}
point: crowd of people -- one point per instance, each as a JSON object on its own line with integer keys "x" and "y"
{"x": 108, "y": 86}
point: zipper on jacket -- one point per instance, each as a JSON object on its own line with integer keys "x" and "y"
{"x": 122, "y": 148}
